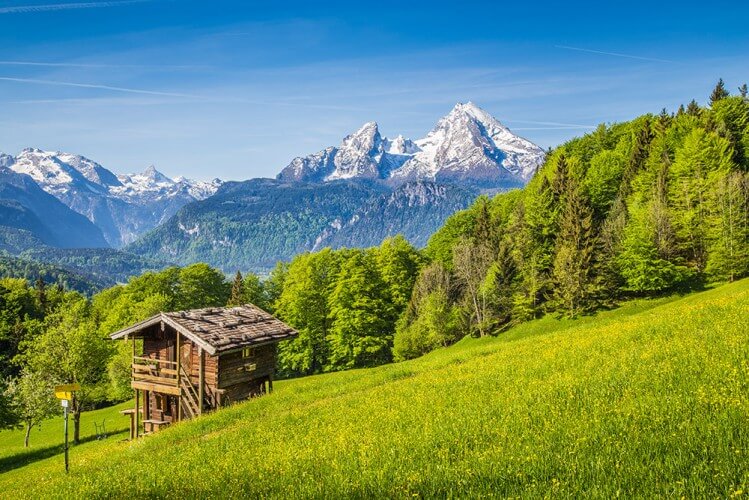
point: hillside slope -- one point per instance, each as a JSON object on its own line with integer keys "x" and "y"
{"x": 651, "y": 399}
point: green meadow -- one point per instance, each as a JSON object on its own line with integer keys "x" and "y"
{"x": 648, "y": 400}
{"x": 46, "y": 440}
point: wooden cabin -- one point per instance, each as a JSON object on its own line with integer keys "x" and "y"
{"x": 189, "y": 362}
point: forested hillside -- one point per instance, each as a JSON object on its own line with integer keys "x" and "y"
{"x": 252, "y": 225}
{"x": 106, "y": 265}
{"x": 51, "y": 274}
{"x": 633, "y": 209}
{"x": 642, "y": 208}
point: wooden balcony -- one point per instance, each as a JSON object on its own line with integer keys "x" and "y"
{"x": 155, "y": 375}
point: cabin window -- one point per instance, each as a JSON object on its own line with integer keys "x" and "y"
{"x": 248, "y": 352}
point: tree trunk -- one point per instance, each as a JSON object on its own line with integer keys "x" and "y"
{"x": 28, "y": 433}
{"x": 76, "y": 426}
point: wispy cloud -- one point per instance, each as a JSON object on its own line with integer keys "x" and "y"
{"x": 95, "y": 86}
{"x": 102, "y": 66}
{"x": 66, "y": 6}
{"x": 615, "y": 54}
{"x": 227, "y": 99}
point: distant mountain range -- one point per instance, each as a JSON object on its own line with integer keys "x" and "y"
{"x": 122, "y": 206}
{"x": 355, "y": 194}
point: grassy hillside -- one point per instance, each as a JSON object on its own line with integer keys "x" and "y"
{"x": 651, "y": 399}
{"x": 46, "y": 440}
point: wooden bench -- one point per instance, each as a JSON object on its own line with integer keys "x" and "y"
{"x": 153, "y": 425}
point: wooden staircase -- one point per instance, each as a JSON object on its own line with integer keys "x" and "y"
{"x": 189, "y": 397}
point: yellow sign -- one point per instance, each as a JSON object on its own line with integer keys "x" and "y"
{"x": 66, "y": 391}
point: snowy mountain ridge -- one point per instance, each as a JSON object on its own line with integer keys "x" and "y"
{"x": 57, "y": 171}
{"x": 467, "y": 146}
{"x": 123, "y": 206}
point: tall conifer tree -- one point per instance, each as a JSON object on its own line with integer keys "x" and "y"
{"x": 693, "y": 108}
{"x": 572, "y": 271}
{"x": 719, "y": 92}
{"x": 237, "y": 290}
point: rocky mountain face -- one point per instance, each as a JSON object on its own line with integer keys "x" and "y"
{"x": 122, "y": 206}
{"x": 468, "y": 147}
{"x": 414, "y": 209}
{"x": 252, "y": 225}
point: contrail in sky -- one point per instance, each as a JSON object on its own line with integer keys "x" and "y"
{"x": 615, "y": 54}
{"x": 66, "y": 6}
{"x": 95, "y": 65}
{"x": 94, "y": 86}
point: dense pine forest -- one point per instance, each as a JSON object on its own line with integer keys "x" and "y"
{"x": 651, "y": 206}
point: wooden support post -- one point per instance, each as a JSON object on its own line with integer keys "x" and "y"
{"x": 178, "y": 354}
{"x": 201, "y": 377}
{"x": 137, "y": 412}
{"x": 146, "y": 405}
{"x": 270, "y": 383}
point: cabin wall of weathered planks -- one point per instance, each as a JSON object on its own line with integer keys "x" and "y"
{"x": 234, "y": 368}
{"x": 241, "y": 377}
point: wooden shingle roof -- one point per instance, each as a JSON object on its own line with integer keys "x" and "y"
{"x": 220, "y": 329}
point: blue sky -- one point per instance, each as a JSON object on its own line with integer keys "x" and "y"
{"x": 237, "y": 89}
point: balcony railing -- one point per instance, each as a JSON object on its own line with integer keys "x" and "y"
{"x": 155, "y": 374}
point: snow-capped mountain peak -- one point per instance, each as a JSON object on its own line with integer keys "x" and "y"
{"x": 467, "y": 145}
{"x": 155, "y": 176}
{"x": 6, "y": 160}
{"x": 155, "y": 184}
{"x": 147, "y": 181}
{"x": 359, "y": 154}
{"x": 57, "y": 172}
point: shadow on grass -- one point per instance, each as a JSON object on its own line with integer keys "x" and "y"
{"x": 30, "y": 456}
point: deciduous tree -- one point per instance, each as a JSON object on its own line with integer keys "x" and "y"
{"x": 471, "y": 262}
{"x": 34, "y": 399}
{"x": 71, "y": 350}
